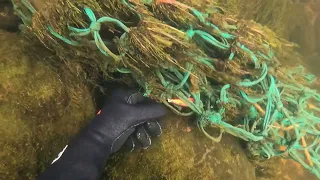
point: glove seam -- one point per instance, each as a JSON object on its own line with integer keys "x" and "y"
{"x": 123, "y": 133}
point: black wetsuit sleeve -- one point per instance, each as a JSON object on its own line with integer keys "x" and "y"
{"x": 83, "y": 159}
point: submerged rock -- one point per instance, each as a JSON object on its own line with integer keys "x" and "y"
{"x": 40, "y": 108}
{"x": 183, "y": 152}
{"x": 8, "y": 20}
{"x": 278, "y": 168}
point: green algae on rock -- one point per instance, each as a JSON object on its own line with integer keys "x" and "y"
{"x": 181, "y": 154}
{"x": 40, "y": 108}
{"x": 226, "y": 64}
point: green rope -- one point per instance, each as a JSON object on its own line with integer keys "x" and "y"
{"x": 131, "y": 7}
{"x": 124, "y": 70}
{"x": 209, "y": 39}
{"x": 27, "y": 4}
{"x": 232, "y": 54}
{"x": 251, "y": 99}
{"x": 202, "y": 19}
{"x": 185, "y": 78}
{"x": 94, "y": 28}
{"x": 26, "y": 18}
{"x": 284, "y": 104}
{"x": 64, "y": 39}
{"x": 253, "y": 56}
{"x": 206, "y": 61}
{"x": 223, "y": 94}
{"x": 252, "y": 83}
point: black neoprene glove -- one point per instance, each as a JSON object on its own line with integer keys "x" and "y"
{"x": 141, "y": 138}
{"x": 86, "y": 156}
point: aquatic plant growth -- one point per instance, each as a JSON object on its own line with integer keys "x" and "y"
{"x": 227, "y": 71}
{"x": 180, "y": 154}
{"x": 41, "y": 107}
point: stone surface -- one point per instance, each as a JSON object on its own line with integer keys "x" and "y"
{"x": 8, "y": 20}
{"x": 184, "y": 153}
{"x": 40, "y": 108}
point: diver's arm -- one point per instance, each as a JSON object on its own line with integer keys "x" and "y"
{"x": 87, "y": 154}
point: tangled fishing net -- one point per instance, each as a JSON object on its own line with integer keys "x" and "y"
{"x": 225, "y": 70}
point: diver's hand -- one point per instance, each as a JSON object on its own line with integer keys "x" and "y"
{"x": 141, "y": 138}
{"x": 129, "y": 114}
{"x": 122, "y": 116}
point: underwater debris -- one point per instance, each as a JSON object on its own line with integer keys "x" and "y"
{"x": 230, "y": 67}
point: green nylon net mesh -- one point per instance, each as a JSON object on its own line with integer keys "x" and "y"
{"x": 226, "y": 71}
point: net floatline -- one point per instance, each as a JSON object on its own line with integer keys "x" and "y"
{"x": 282, "y": 120}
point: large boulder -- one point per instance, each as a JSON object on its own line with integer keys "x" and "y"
{"x": 40, "y": 108}
{"x": 183, "y": 152}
